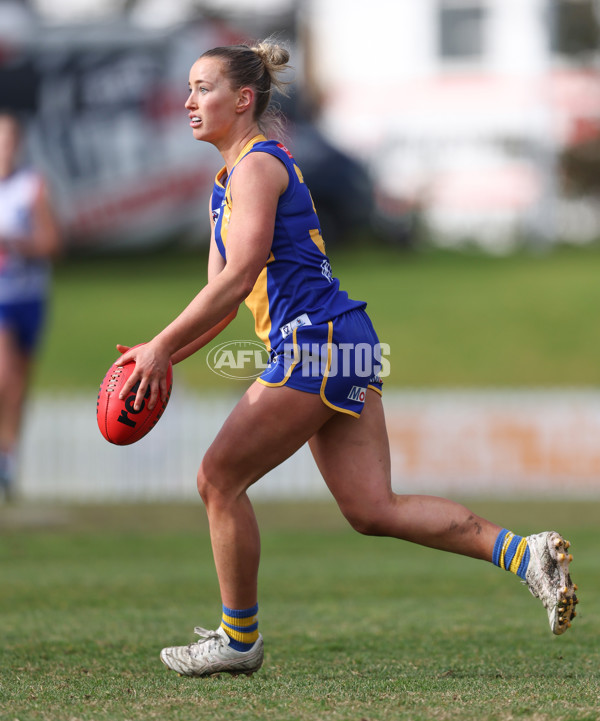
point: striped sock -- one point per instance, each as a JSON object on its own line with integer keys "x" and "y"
{"x": 241, "y": 627}
{"x": 511, "y": 553}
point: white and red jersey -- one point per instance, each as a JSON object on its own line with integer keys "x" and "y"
{"x": 21, "y": 278}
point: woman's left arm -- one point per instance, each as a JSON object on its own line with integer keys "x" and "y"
{"x": 47, "y": 240}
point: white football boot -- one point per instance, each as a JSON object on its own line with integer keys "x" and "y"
{"x": 549, "y": 580}
{"x": 212, "y": 654}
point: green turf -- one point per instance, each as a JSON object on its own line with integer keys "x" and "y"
{"x": 356, "y": 628}
{"x": 451, "y": 319}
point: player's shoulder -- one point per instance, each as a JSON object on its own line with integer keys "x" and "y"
{"x": 24, "y": 182}
{"x": 27, "y": 173}
{"x": 260, "y": 167}
{"x": 275, "y": 148}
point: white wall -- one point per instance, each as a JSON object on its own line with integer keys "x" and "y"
{"x": 518, "y": 39}
{"x": 377, "y": 69}
{"x": 474, "y": 143}
{"x": 534, "y": 444}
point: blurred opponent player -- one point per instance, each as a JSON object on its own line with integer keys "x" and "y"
{"x": 29, "y": 237}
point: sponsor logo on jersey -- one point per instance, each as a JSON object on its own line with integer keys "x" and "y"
{"x": 326, "y": 270}
{"x": 357, "y": 394}
{"x": 296, "y": 323}
{"x": 285, "y": 150}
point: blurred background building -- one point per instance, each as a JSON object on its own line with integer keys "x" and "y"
{"x": 479, "y": 117}
{"x": 464, "y": 108}
{"x": 467, "y": 122}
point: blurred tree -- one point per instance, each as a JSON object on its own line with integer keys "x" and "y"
{"x": 577, "y": 30}
{"x": 580, "y": 166}
{"x": 577, "y": 34}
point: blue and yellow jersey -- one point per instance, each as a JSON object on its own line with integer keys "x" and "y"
{"x": 296, "y": 287}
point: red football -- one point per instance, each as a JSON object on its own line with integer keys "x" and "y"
{"x": 117, "y": 420}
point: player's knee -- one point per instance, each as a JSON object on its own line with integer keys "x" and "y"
{"x": 201, "y": 483}
{"x": 363, "y": 521}
{"x": 205, "y": 480}
{"x": 206, "y": 484}
{"x": 212, "y": 481}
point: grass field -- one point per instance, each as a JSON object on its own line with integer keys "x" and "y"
{"x": 355, "y": 628}
{"x": 451, "y": 319}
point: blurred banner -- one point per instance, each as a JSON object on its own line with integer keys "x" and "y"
{"x": 107, "y": 125}
{"x": 494, "y": 444}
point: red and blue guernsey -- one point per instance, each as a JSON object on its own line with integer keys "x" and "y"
{"x": 296, "y": 287}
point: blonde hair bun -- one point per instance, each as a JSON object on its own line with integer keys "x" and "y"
{"x": 272, "y": 54}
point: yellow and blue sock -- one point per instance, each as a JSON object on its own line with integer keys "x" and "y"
{"x": 511, "y": 553}
{"x": 241, "y": 626}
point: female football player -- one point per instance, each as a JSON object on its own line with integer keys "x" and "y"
{"x": 266, "y": 249}
{"x": 29, "y": 237}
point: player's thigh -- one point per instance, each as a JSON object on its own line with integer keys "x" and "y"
{"x": 353, "y": 456}
{"x": 20, "y": 328}
{"x": 12, "y": 360}
{"x": 265, "y": 428}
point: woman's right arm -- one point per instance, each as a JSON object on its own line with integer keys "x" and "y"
{"x": 216, "y": 263}
{"x": 258, "y": 184}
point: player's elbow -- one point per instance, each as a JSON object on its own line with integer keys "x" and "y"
{"x": 245, "y": 287}
{"x": 243, "y": 283}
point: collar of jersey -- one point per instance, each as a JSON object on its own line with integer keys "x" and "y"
{"x": 245, "y": 150}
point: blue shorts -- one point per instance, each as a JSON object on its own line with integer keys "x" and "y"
{"x": 25, "y": 321}
{"x": 338, "y": 360}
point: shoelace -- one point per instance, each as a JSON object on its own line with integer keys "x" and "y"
{"x": 208, "y": 641}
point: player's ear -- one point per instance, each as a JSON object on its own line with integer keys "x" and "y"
{"x": 245, "y": 99}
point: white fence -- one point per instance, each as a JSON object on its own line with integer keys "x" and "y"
{"x": 498, "y": 444}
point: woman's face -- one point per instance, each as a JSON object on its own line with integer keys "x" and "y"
{"x": 212, "y": 102}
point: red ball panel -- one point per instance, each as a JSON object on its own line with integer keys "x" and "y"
{"x": 117, "y": 420}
